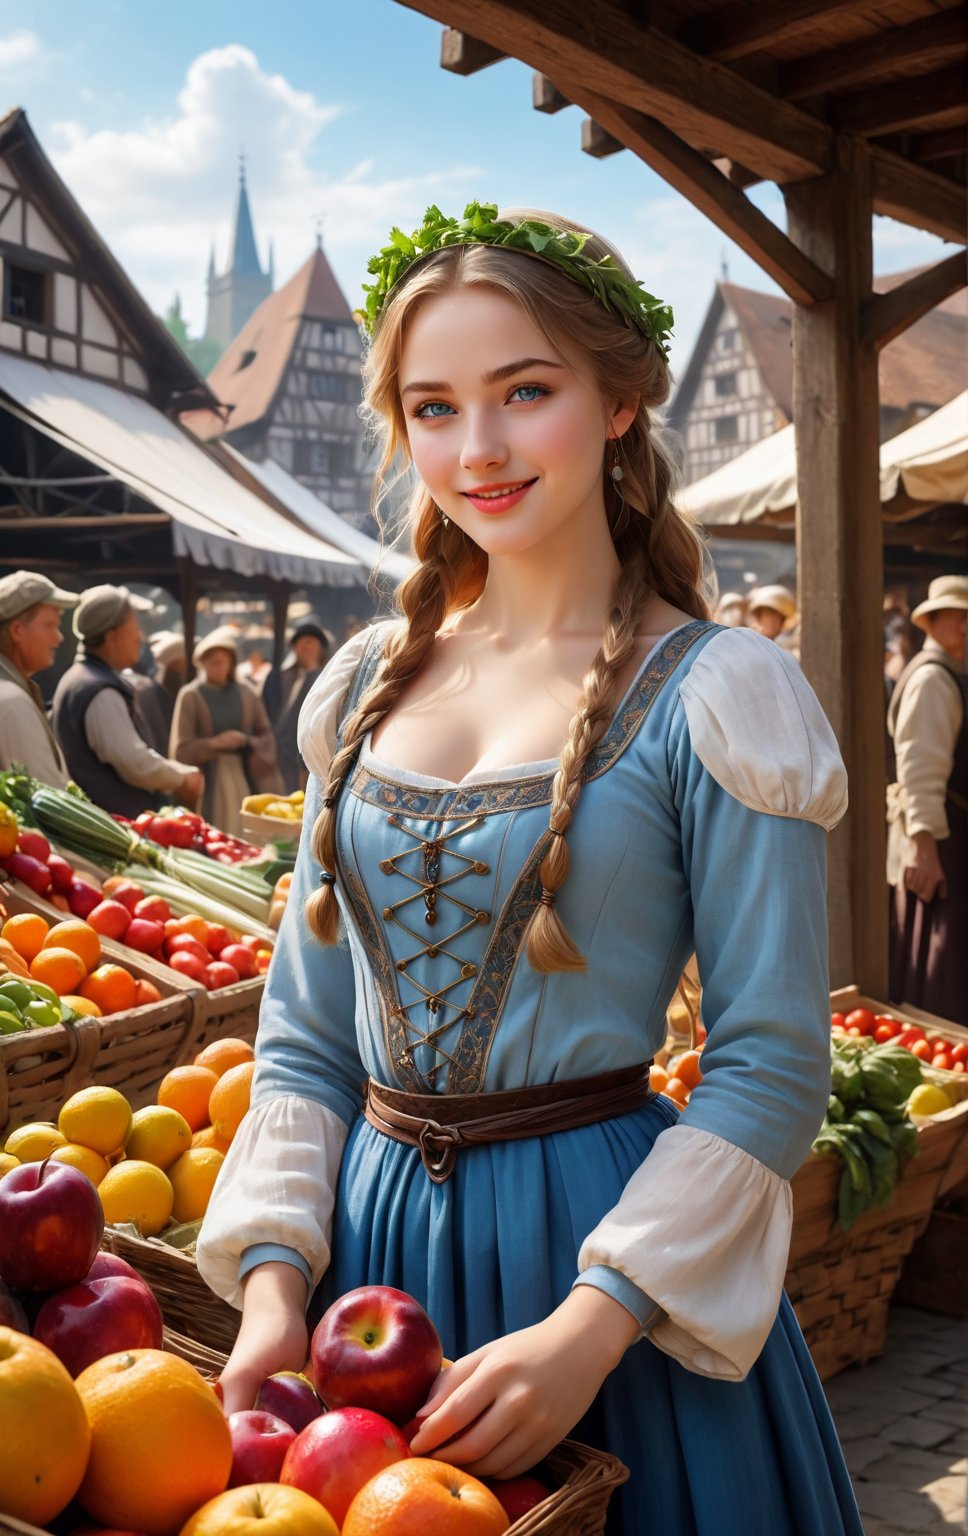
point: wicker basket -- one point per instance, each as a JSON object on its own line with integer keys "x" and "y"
{"x": 187, "y": 1305}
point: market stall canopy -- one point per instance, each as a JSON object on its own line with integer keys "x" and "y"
{"x": 928, "y": 463}
{"x": 215, "y": 521}
{"x": 322, "y": 520}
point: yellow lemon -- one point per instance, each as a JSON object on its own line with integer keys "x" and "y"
{"x": 88, "y": 1161}
{"x": 193, "y": 1179}
{"x": 82, "y": 1005}
{"x": 159, "y": 1135}
{"x": 7, "y": 1162}
{"x": 99, "y": 1118}
{"x": 928, "y": 1099}
{"x": 139, "y": 1192}
{"x": 32, "y": 1143}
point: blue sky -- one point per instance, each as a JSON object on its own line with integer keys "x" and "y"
{"x": 345, "y": 118}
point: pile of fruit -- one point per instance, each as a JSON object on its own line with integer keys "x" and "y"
{"x": 206, "y": 952}
{"x": 174, "y": 827}
{"x": 680, "y": 1075}
{"x": 938, "y": 1052}
{"x": 279, "y": 807}
{"x": 154, "y": 1166}
{"x": 51, "y": 973}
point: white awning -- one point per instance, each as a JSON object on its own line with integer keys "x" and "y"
{"x": 928, "y": 462}
{"x": 215, "y": 521}
{"x": 322, "y": 520}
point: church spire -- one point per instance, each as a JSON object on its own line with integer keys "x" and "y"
{"x": 245, "y": 257}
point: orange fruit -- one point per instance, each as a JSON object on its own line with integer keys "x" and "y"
{"x": 83, "y": 1158}
{"x": 12, "y": 959}
{"x": 61, "y": 969}
{"x": 97, "y": 1117}
{"x": 208, "y": 1136}
{"x": 658, "y": 1077}
{"x": 26, "y": 932}
{"x": 158, "y": 1135}
{"x": 81, "y": 1005}
{"x": 193, "y": 1179}
{"x": 413, "y": 1497}
{"x": 687, "y": 1069}
{"x": 229, "y": 1103}
{"x": 160, "y": 1445}
{"x": 262, "y": 1509}
{"x": 8, "y": 1162}
{"x": 111, "y": 987}
{"x": 32, "y": 1143}
{"x": 188, "y": 1089}
{"x": 137, "y": 1191}
{"x": 78, "y": 936}
{"x": 676, "y": 1090}
{"x": 193, "y": 924}
{"x": 44, "y": 1433}
{"x": 223, "y": 1054}
{"x": 145, "y": 992}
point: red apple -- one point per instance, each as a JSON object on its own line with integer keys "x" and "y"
{"x": 12, "y": 1314}
{"x": 290, "y": 1397}
{"x": 241, "y": 957}
{"x": 154, "y": 909}
{"x": 517, "y": 1495}
{"x": 51, "y": 1224}
{"x": 61, "y": 874}
{"x": 188, "y": 965}
{"x": 82, "y": 897}
{"x": 143, "y": 935}
{"x": 376, "y": 1348}
{"x": 99, "y": 1317}
{"x": 34, "y": 845}
{"x": 108, "y": 1264}
{"x": 259, "y": 1445}
{"x": 128, "y": 893}
{"x": 218, "y": 974}
{"x": 110, "y": 918}
{"x": 337, "y": 1453}
{"x": 184, "y": 944}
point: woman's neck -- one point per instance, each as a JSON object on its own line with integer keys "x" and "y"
{"x": 561, "y": 587}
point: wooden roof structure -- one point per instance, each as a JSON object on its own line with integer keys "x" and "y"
{"x": 853, "y": 107}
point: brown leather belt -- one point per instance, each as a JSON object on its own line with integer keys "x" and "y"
{"x": 440, "y": 1123}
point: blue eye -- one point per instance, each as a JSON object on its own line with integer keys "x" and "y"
{"x": 530, "y": 392}
{"x": 433, "y": 409}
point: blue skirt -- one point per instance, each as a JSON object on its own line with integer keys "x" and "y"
{"x": 495, "y": 1249}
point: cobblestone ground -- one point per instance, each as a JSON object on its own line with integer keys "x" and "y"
{"x": 903, "y": 1424}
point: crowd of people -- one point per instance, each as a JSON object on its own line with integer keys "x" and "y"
{"x": 137, "y": 736}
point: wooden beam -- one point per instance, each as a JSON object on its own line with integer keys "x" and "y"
{"x": 461, "y": 54}
{"x": 938, "y": 39}
{"x": 709, "y": 191}
{"x": 733, "y": 31}
{"x": 945, "y": 144}
{"x": 886, "y": 315}
{"x": 738, "y": 175}
{"x": 597, "y": 141}
{"x": 624, "y": 61}
{"x": 840, "y": 546}
{"x": 902, "y": 103}
{"x": 917, "y": 196}
{"x": 545, "y": 95}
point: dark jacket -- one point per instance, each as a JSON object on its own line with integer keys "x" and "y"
{"x": 283, "y": 708}
{"x": 73, "y": 696}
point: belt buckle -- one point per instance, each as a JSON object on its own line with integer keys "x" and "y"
{"x": 442, "y": 1140}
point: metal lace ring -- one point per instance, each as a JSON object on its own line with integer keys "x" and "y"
{"x": 326, "y": 878}
{"x": 547, "y": 897}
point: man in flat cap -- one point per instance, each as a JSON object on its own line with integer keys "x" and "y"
{"x": 30, "y": 633}
{"x": 285, "y": 689}
{"x": 96, "y": 717}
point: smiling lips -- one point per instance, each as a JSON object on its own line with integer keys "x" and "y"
{"x": 498, "y": 498}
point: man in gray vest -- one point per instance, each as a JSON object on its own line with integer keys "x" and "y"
{"x": 30, "y": 618}
{"x": 96, "y": 718}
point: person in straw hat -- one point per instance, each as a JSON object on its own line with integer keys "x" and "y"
{"x": 927, "y": 854}
{"x": 221, "y": 725}
{"x": 31, "y": 608}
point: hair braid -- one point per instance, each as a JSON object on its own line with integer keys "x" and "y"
{"x": 549, "y": 945}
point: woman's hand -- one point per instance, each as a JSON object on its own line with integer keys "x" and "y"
{"x": 229, "y": 741}
{"x": 273, "y": 1336}
{"x": 925, "y": 877}
{"x": 501, "y": 1409}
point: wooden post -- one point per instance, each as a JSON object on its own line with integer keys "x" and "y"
{"x": 188, "y": 583}
{"x": 840, "y": 544}
{"x": 280, "y": 592}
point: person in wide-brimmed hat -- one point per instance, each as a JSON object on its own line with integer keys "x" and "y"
{"x": 31, "y": 609}
{"x": 927, "y": 863}
{"x": 220, "y": 724}
{"x": 286, "y": 688}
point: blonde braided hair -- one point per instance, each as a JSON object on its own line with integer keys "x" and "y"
{"x": 658, "y": 547}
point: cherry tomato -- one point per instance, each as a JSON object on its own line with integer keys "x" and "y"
{"x": 885, "y": 1032}
{"x": 941, "y": 1062}
{"x": 860, "y": 1019}
{"x": 888, "y": 1018}
{"x": 921, "y": 1049}
{"x": 837, "y": 1021}
{"x": 959, "y": 1052}
{"x": 910, "y": 1036}
{"x": 937, "y": 1042}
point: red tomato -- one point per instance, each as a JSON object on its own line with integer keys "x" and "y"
{"x": 921, "y": 1049}
{"x": 188, "y": 965}
{"x": 836, "y": 1021}
{"x": 937, "y": 1042}
{"x": 220, "y": 974}
{"x": 888, "y": 1018}
{"x": 862, "y": 1020}
{"x": 886, "y": 1031}
{"x": 217, "y": 938}
{"x": 941, "y": 1062}
{"x": 959, "y": 1052}
{"x": 910, "y": 1036}
{"x": 242, "y": 958}
{"x": 184, "y": 944}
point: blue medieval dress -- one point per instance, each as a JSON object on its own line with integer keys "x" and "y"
{"x": 701, "y": 826}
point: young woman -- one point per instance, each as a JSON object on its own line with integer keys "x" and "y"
{"x": 535, "y": 796}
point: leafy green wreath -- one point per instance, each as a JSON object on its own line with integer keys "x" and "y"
{"x": 480, "y": 225}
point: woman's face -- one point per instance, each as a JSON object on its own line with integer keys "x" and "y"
{"x": 507, "y": 438}
{"x": 216, "y": 665}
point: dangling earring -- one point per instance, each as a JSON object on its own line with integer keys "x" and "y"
{"x": 617, "y": 475}
{"x": 616, "y": 471}
{"x": 444, "y": 519}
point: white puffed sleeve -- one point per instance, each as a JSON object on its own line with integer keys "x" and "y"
{"x": 757, "y": 726}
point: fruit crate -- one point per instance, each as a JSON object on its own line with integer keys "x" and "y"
{"x": 841, "y": 1283}
{"x": 130, "y": 1051}
{"x": 187, "y": 1305}
{"x": 270, "y": 831}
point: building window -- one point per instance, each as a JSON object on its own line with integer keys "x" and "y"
{"x": 725, "y": 384}
{"x": 726, "y": 429}
{"x": 26, "y": 293}
{"x": 728, "y": 341}
{"x": 320, "y": 458}
{"x": 334, "y": 386}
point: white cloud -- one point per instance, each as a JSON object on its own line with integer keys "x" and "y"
{"x": 17, "y": 49}
{"x": 160, "y": 192}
